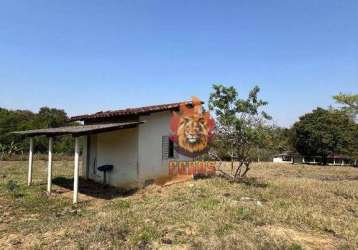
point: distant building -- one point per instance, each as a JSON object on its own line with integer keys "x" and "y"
{"x": 332, "y": 160}
{"x": 313, "y": 160}
{"x": 285, "y": 157}
{"x": 340, "y": 160}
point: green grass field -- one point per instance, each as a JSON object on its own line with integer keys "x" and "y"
{"x": 279, "y": 207}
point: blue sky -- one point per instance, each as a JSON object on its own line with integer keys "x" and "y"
{"x": 87, "y": 56}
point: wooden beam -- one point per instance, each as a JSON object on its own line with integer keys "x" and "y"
{"x": 49, "y": 166}
{"x": 76, "y": 170}
{"x": 29, "y": 173}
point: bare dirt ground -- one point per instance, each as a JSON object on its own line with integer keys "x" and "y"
{"x": 279, "y": 207}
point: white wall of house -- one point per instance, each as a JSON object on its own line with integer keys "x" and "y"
{"x": 118, "y": 148}
{"x": 137, "y": 153}
{"x": 151, "y": 162}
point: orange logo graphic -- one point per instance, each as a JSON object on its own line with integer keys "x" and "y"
{"x": 192, "y": 128}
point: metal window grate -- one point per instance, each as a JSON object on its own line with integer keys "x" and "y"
{"x": 167, "y": 148}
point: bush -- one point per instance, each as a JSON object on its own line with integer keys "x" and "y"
{"x": 13, "y": 188}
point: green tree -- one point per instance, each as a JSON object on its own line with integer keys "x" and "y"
{"x": 281, "y": 140}
{"x": 12, "y": 121}
{"x": 15, "y": 120}
{"x": 274, "y": 140}
{"x": 324, "y": 132}
{"x": 349, "y": 102}
{"x": 52, "y": 118}
{"x": 240, "y": 126}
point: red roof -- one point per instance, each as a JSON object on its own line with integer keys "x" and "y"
{"x": 129, "y": 111}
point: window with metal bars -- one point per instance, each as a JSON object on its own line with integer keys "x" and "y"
{"x": 167, "y": 148}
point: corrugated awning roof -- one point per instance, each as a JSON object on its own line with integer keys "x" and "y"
{"x": 284, "y": 154}
{"x": 130, "y": 111}
{"x": 78, "y": 130}
{"x": 337, "y": 156}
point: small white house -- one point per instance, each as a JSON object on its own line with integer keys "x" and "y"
{"x": 134, "y": 142}
{"x": 138, "y": 154}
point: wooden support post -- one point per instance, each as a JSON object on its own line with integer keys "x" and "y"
{"x": 29, "y": 173}
{"x": 49, "y": 166}
{"x": 75, "y": 179}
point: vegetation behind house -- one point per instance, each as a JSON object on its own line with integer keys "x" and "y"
{"x": 13, "y": 146}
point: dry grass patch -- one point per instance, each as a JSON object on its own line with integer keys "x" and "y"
{"x": 308, "y": 240}
{"x": 279, "y": 207}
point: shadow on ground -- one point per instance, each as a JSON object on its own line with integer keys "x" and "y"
{"x": 92, "y": 189}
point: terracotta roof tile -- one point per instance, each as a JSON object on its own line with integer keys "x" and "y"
{"x": 129, "y": 111}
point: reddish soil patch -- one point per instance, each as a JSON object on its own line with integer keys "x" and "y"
{"x": 171, "y": 180}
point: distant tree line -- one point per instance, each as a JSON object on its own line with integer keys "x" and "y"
{"x": 16, "y": 120}
{"x": 244, "y": 132}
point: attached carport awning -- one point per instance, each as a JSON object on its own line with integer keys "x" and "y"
{"x": 75, "y": 131}
{"x": 78, "y": 130}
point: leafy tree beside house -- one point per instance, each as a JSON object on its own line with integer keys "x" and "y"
{"x": 325, "y": 132}
{"x": 240, "y": 127}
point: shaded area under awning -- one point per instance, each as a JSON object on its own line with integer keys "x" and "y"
{"x": 78, "y": 130}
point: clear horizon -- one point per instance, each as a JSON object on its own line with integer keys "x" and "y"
{"x": 88, "y": 56}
